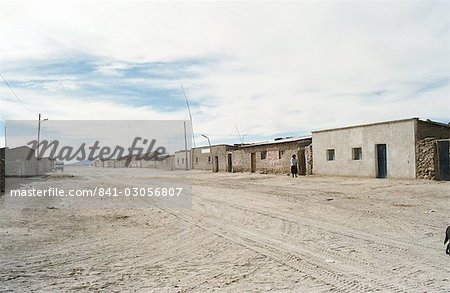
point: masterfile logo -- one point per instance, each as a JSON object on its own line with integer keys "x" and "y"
{"x": 97, "y": 152}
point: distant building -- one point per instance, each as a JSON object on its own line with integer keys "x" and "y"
{"x": 217, "y": 158}
{"x": 274, "y": 156}
{"x": 183, "y": 160}
{"x": 409, "y": 149}
{"x": 165, "y": 164}
{"x": 17, "y": 163}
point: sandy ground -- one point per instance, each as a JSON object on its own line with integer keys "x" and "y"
{"x": 245, "y": 232}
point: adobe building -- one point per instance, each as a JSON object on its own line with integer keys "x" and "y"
{"x": 183, "y": 160}
{"x": 166, "y": 164}
{"x": 17, "y": 163}
{"x": 217, "y": 158}
{"x": 274, "y": 156}
{"x": 404, "y": 149}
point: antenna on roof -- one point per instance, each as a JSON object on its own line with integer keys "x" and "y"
{"x": 240, "y": 137}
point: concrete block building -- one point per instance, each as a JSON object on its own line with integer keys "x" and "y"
{"x": 404, "y": 149}
{"x": 183, "y": 160}
{"x": 167, "y": 164}
{"x": 17, "y": 163}
{"x": 217, "y": 158}
{"x": 273, "y": 156}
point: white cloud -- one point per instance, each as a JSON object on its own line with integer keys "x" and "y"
{"x": 291, "y": 66}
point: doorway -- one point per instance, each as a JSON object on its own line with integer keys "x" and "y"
{"x": 444, "y": 159}
{"x": 230, "y": 163}
{"x": 253, "y": 162}
{"x": 301, "y": 162}
{"x": 381, "y": 161}
{"x": 216, "y": 164}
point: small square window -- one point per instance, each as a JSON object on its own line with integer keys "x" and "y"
{"x": 280, "y": 154}
{"x": 263, "y": 155}
{"x": 330, "y": 155}
{"x": 357, "y": 154}
{"x": 209, "y": 159}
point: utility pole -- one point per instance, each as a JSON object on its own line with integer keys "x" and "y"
{"x": 39, "y": 135}
{"x": 210, "y": 151}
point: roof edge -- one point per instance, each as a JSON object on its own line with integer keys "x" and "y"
{"x": 365, "y": 125}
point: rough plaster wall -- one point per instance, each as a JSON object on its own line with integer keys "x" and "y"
{"x": 167, "y": 164}
{"x": 399, "y": 137}
{"x": 430, "y": 130}
{"x": 220, "y": 151}
{"x": 180, "y": 157}
{"x": 272, "y": 163}
{"x": 309, "y": 160}
{"x": 16, "y": 163}
{"x": 240, "y": 161}
{"x": 426, "y": 154}
{"x": 202, "y": 163}
{"x": 45, "y": 165}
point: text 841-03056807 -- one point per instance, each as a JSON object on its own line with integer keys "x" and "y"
{"x": 142, "y": 191}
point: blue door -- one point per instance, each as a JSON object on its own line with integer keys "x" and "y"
{"x": 381, "y": 161}
{"x": 444, "y": 160}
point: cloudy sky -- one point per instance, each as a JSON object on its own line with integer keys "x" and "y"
{"x": 270, "y": 68}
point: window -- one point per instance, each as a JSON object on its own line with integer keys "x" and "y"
{"x": 182, "y": 161}
{"x": 280, "y": 154}
{"x": 263, "y": 155}
{"x": 330, "y": 155}
{"x": 196, "y": 160}
{"x": 357, "y": 154}
{"x": 178, "y": 161}
{"x": 209, "y": 159}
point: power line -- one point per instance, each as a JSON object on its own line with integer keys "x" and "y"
{"x": 17, "y": 97}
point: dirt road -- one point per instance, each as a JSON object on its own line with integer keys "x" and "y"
{"x": 245, "y": 232}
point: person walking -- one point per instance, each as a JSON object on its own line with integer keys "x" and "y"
{"x": 294, "y": 163}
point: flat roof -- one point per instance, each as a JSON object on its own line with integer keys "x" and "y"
{"x": 365, "y": 125}
{"x": 286, "y": 140}
{"x": 182, "y": 151}
{"x": 435, "y": 123}
{"x": 214, "y": 145}
{"x": 19, "y": 147}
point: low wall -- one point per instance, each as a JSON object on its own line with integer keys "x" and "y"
{"x": 309, "y": 160}
{"x": 426, "y": 156}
